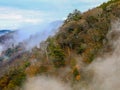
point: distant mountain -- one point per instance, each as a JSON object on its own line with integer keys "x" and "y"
{"x": 31, "y": 35}
{"x": 3, "y": 32}
{"x": 6, "y": 38}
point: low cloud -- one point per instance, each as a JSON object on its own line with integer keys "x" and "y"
{"x": 102, "y": 74}
{"x": 45, "y": 83}
{"x": 107, "y": 68}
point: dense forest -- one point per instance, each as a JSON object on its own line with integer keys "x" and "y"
{"x": 81, "y": 39}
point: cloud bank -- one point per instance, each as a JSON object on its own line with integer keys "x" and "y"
{"x": 104, "y": 72}
{"x": 107, "y": 68}
{"x": 45, "y": 83}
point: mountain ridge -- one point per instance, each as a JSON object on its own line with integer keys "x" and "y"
{"x": 70, "y": 54}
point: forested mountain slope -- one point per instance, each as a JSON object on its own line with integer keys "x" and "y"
{"x": 80, "y": 40}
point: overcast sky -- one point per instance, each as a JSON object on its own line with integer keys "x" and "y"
{"x": 19, "y": 13}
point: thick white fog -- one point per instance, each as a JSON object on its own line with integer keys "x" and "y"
{"x": 45, "y": 83}
{"x": 107, "y": 68}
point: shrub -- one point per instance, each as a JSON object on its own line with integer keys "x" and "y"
{"x": 58, "y": 58}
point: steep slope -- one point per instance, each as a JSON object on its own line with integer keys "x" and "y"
{"x": 13, "y": 46}
{"x": 70, "y": 54}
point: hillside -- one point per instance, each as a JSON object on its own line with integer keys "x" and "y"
{"x": 67, "y": 56}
